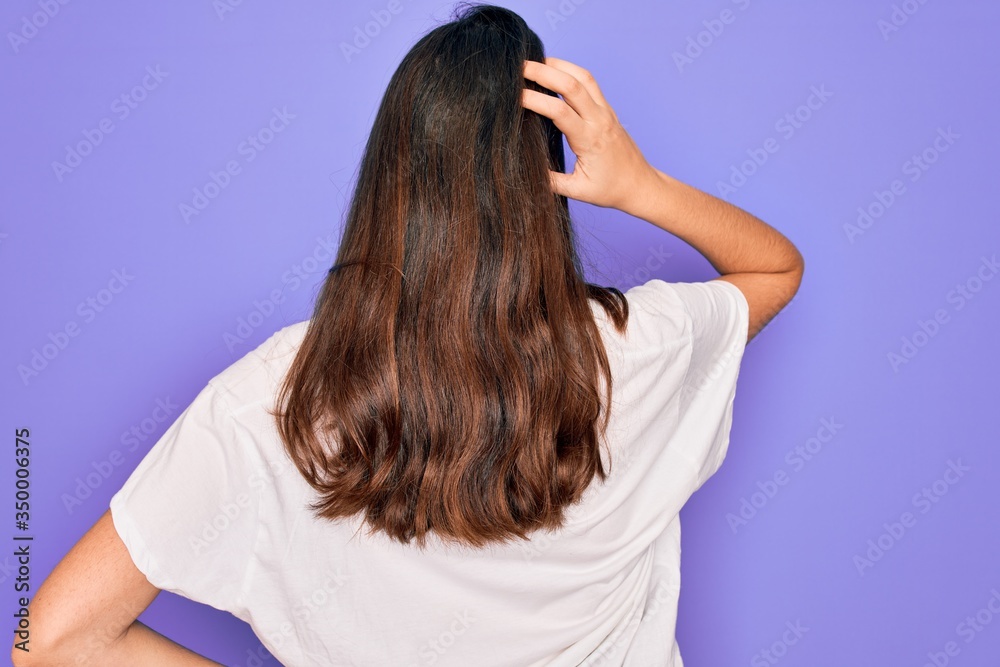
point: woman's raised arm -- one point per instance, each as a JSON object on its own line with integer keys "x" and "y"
{"x": 611, "y": 171}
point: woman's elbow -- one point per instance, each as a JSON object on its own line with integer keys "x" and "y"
{"x": 34, "y": 654}
{"x": 44, "y": 647}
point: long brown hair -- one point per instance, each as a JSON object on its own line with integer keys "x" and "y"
{"x": 452, "y": 356}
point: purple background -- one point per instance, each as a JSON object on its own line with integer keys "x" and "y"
{"x": 225, "y": 67}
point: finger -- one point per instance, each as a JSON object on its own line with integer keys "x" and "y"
{"x": 562, "y": 184}
{"x": 571, "y": 88}
{"x": 562, "y": 114}
{"x": 582, "y": 75}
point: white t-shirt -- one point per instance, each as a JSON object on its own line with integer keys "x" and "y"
{"x": 216, "y": 512}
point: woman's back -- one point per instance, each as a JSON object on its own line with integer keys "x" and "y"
{"x": 217, "y": 512}
{"x": 357, "y": 488}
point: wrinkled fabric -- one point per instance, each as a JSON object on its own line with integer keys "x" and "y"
{"x": 217, "y": 512}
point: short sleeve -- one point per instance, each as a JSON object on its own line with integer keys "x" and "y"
{"x": 712, "y": 318}
{"x": 188, "y": 513}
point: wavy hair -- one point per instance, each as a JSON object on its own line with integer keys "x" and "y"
{"x": 449, "y": 377}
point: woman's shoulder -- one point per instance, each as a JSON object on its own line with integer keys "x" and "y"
{"x": 655, "y": 312}
{"x": 255, "y": 377}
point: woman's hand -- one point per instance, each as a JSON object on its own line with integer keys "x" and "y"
{"x": 610, "y": 169}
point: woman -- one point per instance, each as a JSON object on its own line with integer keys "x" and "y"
{"x": 516, "y": 443}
